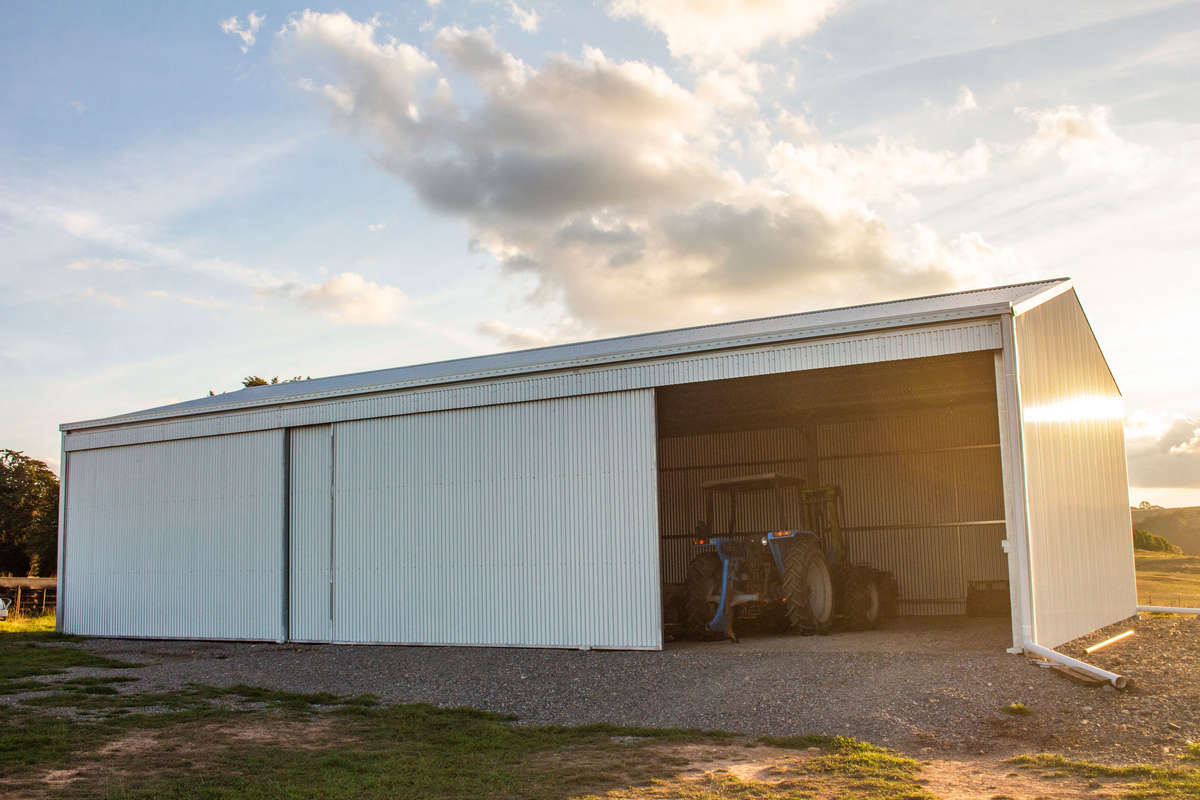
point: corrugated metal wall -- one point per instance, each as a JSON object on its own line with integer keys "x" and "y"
{"x": 1081, "y": 551}
{"x": 909, "y": 483}
{"x": 180, "y": 539}
{"x": 310, "y": 534}
{"x": 523, "y": 524}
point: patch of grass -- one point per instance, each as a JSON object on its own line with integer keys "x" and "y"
{"x": 1146, "y": 780}
{"x": 873, "y": 773}
{"x": 98, "y": 697}
{"x": 836, "y": 744}
{"x": 343, "y": 747}
{"x": 17, "y": 687}
{"x": 1017, "y": 709}
{"x": 23, "y": 659}
{"x": 30, "y": 628}
{"x": 418, "y": 751}
{"x": 1192, "y": 750}
{"x": 35, "y": 740}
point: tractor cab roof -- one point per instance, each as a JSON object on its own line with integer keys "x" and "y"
{"x": 753, "y": 483}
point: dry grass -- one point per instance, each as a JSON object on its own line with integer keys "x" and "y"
{"x": 26, "y": 624}
{"x": 1168, "y": 579}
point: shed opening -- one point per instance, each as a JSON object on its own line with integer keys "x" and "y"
{"x": 912, "y": 446}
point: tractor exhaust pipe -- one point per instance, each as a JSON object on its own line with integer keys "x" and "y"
{"x": 1118, "y": 681}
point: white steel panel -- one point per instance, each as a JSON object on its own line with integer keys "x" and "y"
{"x": 177, "y": 540}
{"x": 1080, "y": 549}
{"x": 762, "y": 359}
{"x": 529, "y": 524}
{"x": 310, "y": 534}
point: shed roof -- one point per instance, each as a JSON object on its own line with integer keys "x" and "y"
{"x": 720, "y": 336}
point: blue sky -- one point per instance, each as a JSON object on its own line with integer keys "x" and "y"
{"x": 190, "y": 193}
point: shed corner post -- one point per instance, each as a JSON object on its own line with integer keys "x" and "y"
{"x": 61, "y": 570}
{"x": 1012, "y": 459}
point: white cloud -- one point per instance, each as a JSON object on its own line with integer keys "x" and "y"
{"x": 1083, "y": 139}
{"x": 526, "y": 19}
{"x": 233, "y": 27}
{"x": 725, "y": 30}
{"x": 348, "y": 298}
{"x": 964, "y": 102}
{"x": 839, "y": 177}
{"x": 109, "y": 264}
{"x": 1163, "y": 450}
{"x": 732, "y": 88}
{"x": 1190, "y": 446}
{"x": 376, "y": 227}
{"x": 104, "y": 297}
{"x": 605, "y": 183}
{"x": 515, "y": 338}
{"x": 372, "y": 75}
{"x": 198, "y": 302}
{"x": 342, "y": 99}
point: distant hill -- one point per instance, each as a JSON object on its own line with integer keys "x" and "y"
{"x": 1180, "y": 526}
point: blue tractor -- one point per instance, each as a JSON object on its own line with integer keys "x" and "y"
{"x": 785, "y": 577}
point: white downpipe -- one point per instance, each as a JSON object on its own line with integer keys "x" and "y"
{"x": 1169, "y": 610}
{"x": 1118, "y": 681}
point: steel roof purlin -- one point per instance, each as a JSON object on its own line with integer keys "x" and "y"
{"x": 719, "y": 336}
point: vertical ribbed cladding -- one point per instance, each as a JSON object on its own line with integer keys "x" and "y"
{"x": 309, "y": 517}
{"x": 524, "y": 524}
{"x": 904, "y": 478}
{"x": 178, "y": 539}
{"x": 1081, "y": 554}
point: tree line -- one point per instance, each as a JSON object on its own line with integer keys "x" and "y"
{"x": 28, "y": 516}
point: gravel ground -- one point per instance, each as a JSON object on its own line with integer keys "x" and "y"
{"x": 922, "y": 685}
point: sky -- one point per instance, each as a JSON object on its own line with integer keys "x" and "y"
{"x": 193, "y": 193}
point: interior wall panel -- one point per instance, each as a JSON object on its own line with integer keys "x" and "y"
{"x": 906, "y": 479}
{"x": 528, "y": 524}
{"x": 1081, "y": 552}
{"x": 177, "y": 539}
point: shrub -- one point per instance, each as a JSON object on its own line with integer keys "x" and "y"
{"x": 1145, "y": 540}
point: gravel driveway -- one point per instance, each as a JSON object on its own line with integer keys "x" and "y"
{"x": 920, "y": 685}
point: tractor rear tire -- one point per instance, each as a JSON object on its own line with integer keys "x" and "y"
{"x": 703, "y": 581}
{"x": 808, "y": 588}
{"x": 861, "y": 601}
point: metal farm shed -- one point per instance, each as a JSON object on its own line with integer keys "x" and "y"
{"x": 545, "y": 497}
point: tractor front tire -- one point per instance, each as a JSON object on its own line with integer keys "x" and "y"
{"x": 703, "y": 581}
{"x": 861, "y": 604}
{"x": 808, "y": 588}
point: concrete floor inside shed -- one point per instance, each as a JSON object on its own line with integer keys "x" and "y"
{"x": 948, "y": 634}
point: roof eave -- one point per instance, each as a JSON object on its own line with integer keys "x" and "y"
{"x": 720, "y": 343}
